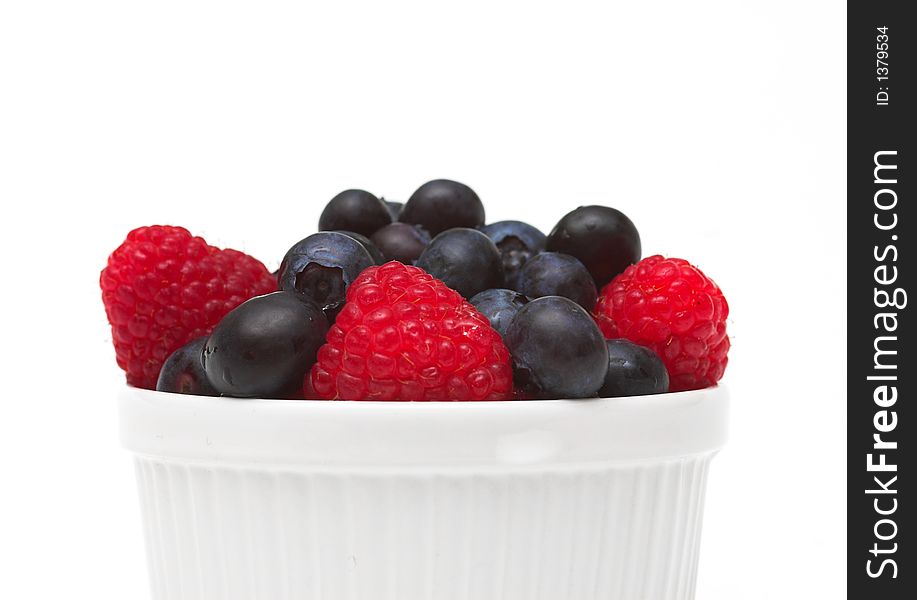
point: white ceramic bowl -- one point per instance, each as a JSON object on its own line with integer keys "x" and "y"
{"x": 524, "y": 500}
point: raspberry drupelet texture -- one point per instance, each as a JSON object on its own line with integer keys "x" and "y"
{"x": 404, "y": 335}
{"x": 670, "y": 306}
{"x": 163, "y": 287}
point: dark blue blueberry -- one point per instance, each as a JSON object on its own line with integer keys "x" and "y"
{"x": 264, "y": 347}
{"x": 322, "y": 266}
{"x": 374, "y": 252}
{"x": 401, "y": 242}
{"x": 443, "y": 204}
{"x": 555, "y": 274}
{"x": 602, "y": 238}
{"x": 557, "y": 349}
{"x": 517, "y": 242}
{"x": 499, "y": 306}
{"x": 182, "y": 372}
{"x": 633, "y": 371}
{"x": 394, "y": 209}
{"x": 354, "y": 210}
{"x": 464, "y": 259}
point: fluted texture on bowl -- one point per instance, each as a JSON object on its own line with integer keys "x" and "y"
{"x": 621, "y": 531}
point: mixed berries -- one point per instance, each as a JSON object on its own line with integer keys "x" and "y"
{"x": 405, "y": 335}
{"x": 163, "y": 287}
{"x": 265, "y": 346}
{"x": 669, "y": 306}
{"x": 420, "y": 301}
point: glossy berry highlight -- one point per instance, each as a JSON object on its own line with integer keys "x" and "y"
{"x": 633, "y": 371}
{"x": 263, "y": 348}
{"x": 354, "y": 210}
{"x": 558, "y": 351}
{"x": 183, "y": 373}
{"x": 604, "y": 239}
{"x": 442, "y": 204}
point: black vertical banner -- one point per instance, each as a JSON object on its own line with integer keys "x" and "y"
{"x": 881, "y": 360}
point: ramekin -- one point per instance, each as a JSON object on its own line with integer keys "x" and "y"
{"x": 522, "y": 500}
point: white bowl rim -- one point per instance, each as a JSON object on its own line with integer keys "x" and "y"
{"x": 347, "y": 435}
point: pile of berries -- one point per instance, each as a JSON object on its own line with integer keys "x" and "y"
{"x": 420, "y": 301}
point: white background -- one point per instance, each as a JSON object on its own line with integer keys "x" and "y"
{"x": 719, "y": 127}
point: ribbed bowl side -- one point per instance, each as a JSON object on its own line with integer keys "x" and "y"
{"x": 614, "y": 532}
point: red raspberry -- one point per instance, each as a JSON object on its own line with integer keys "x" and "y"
{"x": 670, "y": 306}
{"x": 163, "y": 288}
{"x": 403, "y": 335}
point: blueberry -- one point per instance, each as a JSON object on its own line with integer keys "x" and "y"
{"x": 374, "y": 252}
{"x": 633, "y": 371}
{"x": 354, "y": 210}
{"x": 556, "y": 274}
{"x": 264, "y": 346}
{"x": 557, "y": 349}
{"x": 602, "y": 238}
{"x": 499, "y": 306}
{"x": 394, "y": 209}
{"x": 464, "y": 259}
{"x": 182, "y": 372}
{"x": 401, "y": 242}
{"x": 443, "y": 204}
{"x": 517, "y": 242}
{"x": 322, "y": 266}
